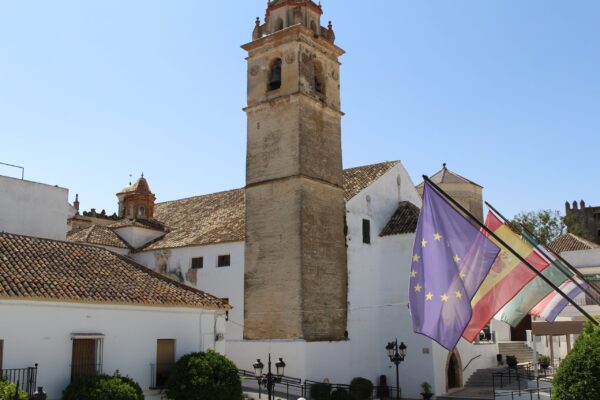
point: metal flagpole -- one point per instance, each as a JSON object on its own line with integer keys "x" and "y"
{"x": 569, "y": 266}
{"x": 507, "y": 247}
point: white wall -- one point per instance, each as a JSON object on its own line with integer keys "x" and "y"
{"x": 40, "y": 332}
{"x": 136, "y": 236}
{"x": 33, "y": 209}
{"x": 224, "y": 282}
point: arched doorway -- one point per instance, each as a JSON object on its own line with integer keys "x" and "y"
{"x": 453, "y": 371}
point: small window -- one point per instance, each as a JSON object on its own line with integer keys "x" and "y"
{"x": 197, "y": 262}
{"x": 366, "y": 231}
{"x": 141, "y": 212}
{"x": 279, "y": 24}
{"x": 224, "y": 261}
{"x": 275, "y": 75}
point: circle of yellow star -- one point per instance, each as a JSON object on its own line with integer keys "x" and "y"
{"x": 437, "y": 236}
{"x": 418, "y": 288}
{"x": 458, "y": 294}
{"x": 444, "y": 298}
{"x": 456, "y": 259}
{"x": 424, "y": 243}
{"x": 413, "y": 274}
{"x": 429, "y": 296}
{"x": 416, "y": 258}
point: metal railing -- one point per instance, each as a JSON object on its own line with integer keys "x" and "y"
{"x": 24, "y": 378}
{"x": 521, "y": 376}
{"x": 159, "y": 374}
{"x": 290, "y": 388}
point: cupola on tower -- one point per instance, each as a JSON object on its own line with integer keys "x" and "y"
{"x": 295, "y": 268}
{"x": 136, "y": 201}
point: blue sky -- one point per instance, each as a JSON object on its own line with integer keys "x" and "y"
{"x": 507, "y": 92}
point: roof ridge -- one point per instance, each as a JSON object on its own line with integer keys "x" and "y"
{"x": 394, "y": 162}
{"x": 584, "y": 241}
{"x": 201, "y": 195}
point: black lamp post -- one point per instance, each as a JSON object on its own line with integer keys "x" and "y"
{"x": 396, "y": 354}
{"x": 268, "y": 379}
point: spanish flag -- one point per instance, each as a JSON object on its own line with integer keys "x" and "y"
{"x": 506, "y": 278}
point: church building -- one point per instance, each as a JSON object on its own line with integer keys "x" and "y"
{"x": 314, "y": 259}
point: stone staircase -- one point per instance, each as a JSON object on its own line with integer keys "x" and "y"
{"x": 521, "y": 350}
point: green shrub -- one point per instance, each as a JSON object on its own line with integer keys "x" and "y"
{"x": 204, "y": 376}
{"x": 341, "y": 394}
{"x": 8, "y": 391}
{"x": 578, "y": 375}
{"x": 103, "y": 387}
{"x": 361, "y": 388}
{"x": 320, "y": 391}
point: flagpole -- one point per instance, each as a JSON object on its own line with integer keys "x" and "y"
{"x": 569, "y": 266}
{"x": 503, "y": 244}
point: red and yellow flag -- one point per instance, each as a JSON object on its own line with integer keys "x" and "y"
{"x": 506, "y": 278}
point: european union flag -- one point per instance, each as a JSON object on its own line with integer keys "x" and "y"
{"x": 451, "y": 258}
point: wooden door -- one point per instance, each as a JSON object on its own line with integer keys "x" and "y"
{"x": 84, "y": 357}
{"x": 165, "y": 359}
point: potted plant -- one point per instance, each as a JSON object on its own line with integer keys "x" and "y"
{"x": 426, "y": 393}
{"x": 511, "y": 361}
{"x": 544, "y": 362}
{"x": 499, "y": 360}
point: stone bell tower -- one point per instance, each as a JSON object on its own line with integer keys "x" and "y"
{"x": 295, "y": 267}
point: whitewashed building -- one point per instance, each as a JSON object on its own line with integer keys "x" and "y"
{"x": 34, "y": 209}
{"x": 73, "y": 309}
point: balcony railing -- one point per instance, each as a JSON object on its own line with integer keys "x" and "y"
{"x": 24, "y": 378}
{"x": 159, "y": 373}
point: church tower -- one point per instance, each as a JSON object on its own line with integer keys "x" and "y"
{"x": 295, "y": 267}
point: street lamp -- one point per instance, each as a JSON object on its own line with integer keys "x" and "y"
{"x": 268, "y": 379}
{"x": 396, "y": 354}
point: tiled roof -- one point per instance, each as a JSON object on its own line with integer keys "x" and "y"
{"x": 99, "y": 235}
{"x": 141, "y": 223}
{"x": 213, "y": 218}
{"x": 43, "y": 269}
{"x": 357, "y": 179}
{"x": 570, "y": 242}
{"x": 403, "y": 221}
{"x": 446, "y": 176}
{"x": 221, "y": 217}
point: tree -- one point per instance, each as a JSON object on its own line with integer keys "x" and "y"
{"x": 546, "y": 225}
{"x": 577, "y": 376}
{"x": 204, "y": 376}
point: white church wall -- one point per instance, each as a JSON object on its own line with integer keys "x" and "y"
{"x": 224, "y": 282}
{"x": 33, "y": 209}
{"x": 41, "y": 332}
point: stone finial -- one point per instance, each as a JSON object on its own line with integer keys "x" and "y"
{"x": 574, "y": 205}
{"x": 567, "y": 205}
{"x": 257, "y": 22}
{"x": 330, "y": 26}
{"x": 444, "y": 166}
{"x": 582, "y": 205}
{"x": 76, "y": 202}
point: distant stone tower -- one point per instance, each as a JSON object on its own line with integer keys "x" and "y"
{"x": 295, "y": 267}
{"x": 466, "y": 192}
{"x": 583, "y": 220}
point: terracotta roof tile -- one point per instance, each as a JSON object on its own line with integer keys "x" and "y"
{"x": 570, "y": 242}
{"x": 357, "y": 179}
{"x": 99, "y": 235}
{"x": 446, "y": 176}
{"x": 142, "y": 223}
{"x": 43, "y": 269}
{"x": 403, "y": 221}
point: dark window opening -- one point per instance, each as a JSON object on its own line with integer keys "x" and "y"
{"x": 319, "y": 83}
{"x": 279, "y": 24}
{"x": 165, "y": 360}
{"x": 224, "y": 261}
{"x": 197, "y": 262}
{"x": 142, "y": 212}
{"x": 275, "y": 75}
{"x": 366, "y": 231}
